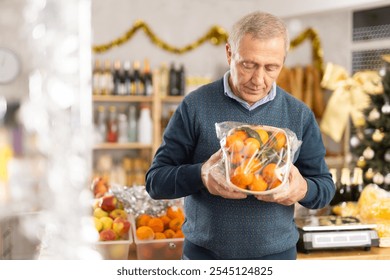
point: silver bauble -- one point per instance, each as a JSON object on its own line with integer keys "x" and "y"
{"x": 378, "y": 178}
{"x": 355, "y": 141}
{"x": 386, "y": 108}
{"x": 387, "y": 155}
{"x": 368, "y": 153}
{"x": 374, "y": 115}
{"x": 387, "y": 179}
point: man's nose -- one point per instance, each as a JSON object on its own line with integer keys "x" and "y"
{"x": 258, "y": 76}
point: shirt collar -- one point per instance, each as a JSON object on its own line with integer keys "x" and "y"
{"x": 228, "y": 92}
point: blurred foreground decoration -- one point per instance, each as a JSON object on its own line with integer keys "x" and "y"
{"x": 58, "y": 113}
{"x": 348, "y": 100}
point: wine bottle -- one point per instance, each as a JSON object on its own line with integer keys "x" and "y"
{"x": 357, "y": 183}
{"x": 345, "y": 185}
{"x": 101, "y": 124}
{"x": 122, "y": 128}
{"x": 126, "y": 78}
{"x": 96, "y": 78}
{"x": 181, "y": 80}
{"x": 337, "y": 197}
{"x": 117, "y": 79}
{"x": 173, "y": 89}
{"x": 147, "y": 79}
{"x": 164, "y": 79}
{"x": 107, "y": 81}
{"x": 138, "y": 87}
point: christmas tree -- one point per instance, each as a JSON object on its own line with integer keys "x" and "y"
{"x": 370, "y": 143}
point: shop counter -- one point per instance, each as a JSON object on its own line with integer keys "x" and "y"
{"x": 375, "y": 253}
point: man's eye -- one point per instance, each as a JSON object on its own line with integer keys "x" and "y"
{"x": 272, "y": 67}
{"x": 248, "y": 65}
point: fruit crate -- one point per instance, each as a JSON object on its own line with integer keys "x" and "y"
{"x": 116, "y": 249}
{"x": 162, "y": 249}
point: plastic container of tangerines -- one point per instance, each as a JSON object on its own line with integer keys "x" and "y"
{"x": 256, "y": 158}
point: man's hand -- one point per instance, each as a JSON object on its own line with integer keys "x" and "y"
{"x": 215, "y": 181}
{"x": 296, "y": 190}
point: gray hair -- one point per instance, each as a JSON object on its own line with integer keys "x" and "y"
{"x": 260, "y": 25}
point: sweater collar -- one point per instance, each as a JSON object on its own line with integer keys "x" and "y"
{"x": 228, "y": 92}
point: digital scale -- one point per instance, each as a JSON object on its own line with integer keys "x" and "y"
{"x": 332, "y": 232}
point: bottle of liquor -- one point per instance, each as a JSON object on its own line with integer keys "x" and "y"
{"x": 173, "y": 89}
{"x": 145, "y": 125}
{"x": 147, "y": 79}
{"x": 127, "y": 78}
{"x": 138, "y": 87}
{"x": 96, "y": 78}
{"x": 345, "y": 185}
{"x": 132, "y": 130}
{"x": 117, "y": 78}
{"x": 164, "y": 79}
{"x": 107, "y": 81}
{"x": 101, "y": 125}
{"x": 122, "y": 128}
{"x": 337, "y": 197}
{"x": 357, "y": 183}
{"x": 181, "y": 80}
{"x": 112, "y": 126}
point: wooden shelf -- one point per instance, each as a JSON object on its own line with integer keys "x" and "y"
{"x": 121, "y": 146}
{"x": 172, "y": 99}
{"x": 117, "y": 98}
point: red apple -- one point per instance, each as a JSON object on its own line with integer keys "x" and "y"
{"x": 99, "y": 187}
{"x": 108, "y": 203}
{"x": 107, "y": 235}
{"x": 121, "y": 226}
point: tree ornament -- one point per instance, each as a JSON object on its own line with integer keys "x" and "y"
{"x": 378, "y": 178}
{"x": 387, "y": 155}
{"x": 387, "y": 179}
{"x": 361, "y": 162}
{"x": 374, "y": 115}
{"x": 354, "y": 141}
{"x": 368, "y": 131}
{"x": 378, "y": 136}
{"x": 386, "y": 108}
{"x": 368, "y": 153}
{"x": 369, "y": 174}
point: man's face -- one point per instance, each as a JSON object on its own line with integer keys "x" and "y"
{"x": 254, "y": 66}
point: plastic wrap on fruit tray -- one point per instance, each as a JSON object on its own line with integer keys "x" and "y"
{"x": 256, "y": 158}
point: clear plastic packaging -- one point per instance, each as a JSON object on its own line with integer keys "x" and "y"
{"x": 256, "y": 158}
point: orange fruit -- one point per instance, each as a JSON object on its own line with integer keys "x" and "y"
{"x": 144, "y": 233}
{"x": 263, "y": 134}
{"x": 169, "y": 233}
{"x": 275, "y": 183}
{"x": 175, "y": 224}
{"x": 241, "y": 178}
{"x": 279, "y": 140}
{"x": 159, "y": 235}
{"x": 240, "y": 134}
{"x": 175, "y": 212}
{"x": 258, "y": 184}
{"x": 179, "y": 234}
{"x": 142, "y": 220}
{"x": 251, "y": 146}
{"x": 268, "y": 172}
{"x": 156, "y": 224}
{"x": 165, "y": 219}
{"x": 234, "y": 143}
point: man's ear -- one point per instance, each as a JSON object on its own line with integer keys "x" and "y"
{"x": 228, "y": 53}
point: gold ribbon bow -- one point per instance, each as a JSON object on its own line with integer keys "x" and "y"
{"x": 349, "y": 98}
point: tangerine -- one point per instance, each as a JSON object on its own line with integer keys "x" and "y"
{"x": 252, "y": 165}
{"x": 241, "y": 134}
{"x": 258, "y": 184}
{"x": 279, "y": 140}
{"x": 159, "y": 235}
{"x": 142, "y": 220}
{"x": 251, "y": 146}
{"x": 234, "y": 143}
{"x": 156, "y": 224}
{"x": 268, "y": 172}
{"x": 236, "y": 158}
{"x": 166, "y": 221}
{"x": 175, "y": 224}
{"x": 169, "y": 233}
{"x": 241, "y": 178}
{"x": 263, "y": 135}
{"x": 178, "y": 234}
{"x": 175, "y": 212}
{"x": 274, "y": 184}
{"x": 144, "y": 233}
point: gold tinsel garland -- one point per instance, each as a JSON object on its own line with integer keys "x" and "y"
{"x": 216, "y": 35}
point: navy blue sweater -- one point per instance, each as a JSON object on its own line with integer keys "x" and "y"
{"x": 235, "y": 229}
